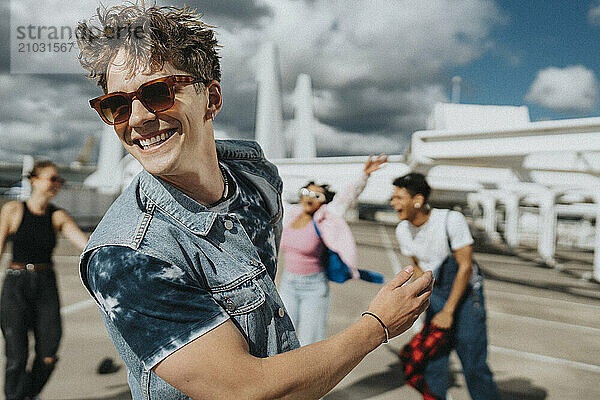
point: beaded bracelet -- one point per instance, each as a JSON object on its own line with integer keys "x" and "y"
{"x": 387, "y": 333}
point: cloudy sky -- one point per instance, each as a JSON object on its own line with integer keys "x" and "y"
{"x": 377, "y": 66}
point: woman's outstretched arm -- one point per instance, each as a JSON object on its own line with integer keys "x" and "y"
{"x": 343, "y": 200}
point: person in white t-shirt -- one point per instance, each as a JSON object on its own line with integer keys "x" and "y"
{"x": 439, "y": 240}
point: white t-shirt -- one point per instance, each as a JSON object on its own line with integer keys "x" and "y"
{"x": 428, "y": 243}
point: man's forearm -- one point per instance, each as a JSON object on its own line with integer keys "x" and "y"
{"x": 305, "y": 373}
{"x": 197, "y": 369}
{"x": 464, "y": 259}
{"x": 458, "y": 288}
{"x": 311, "y": 371}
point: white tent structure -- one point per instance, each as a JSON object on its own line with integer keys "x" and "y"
{"x": 107, "y": 177}
{"x": 269, "y": 120}
{"x": 303, "y": 125}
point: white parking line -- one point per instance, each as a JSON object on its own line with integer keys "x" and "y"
{"x": 396, "y": 266}
{"x": 551, "y": 324}
{"x": 529, "y": 297}
{"x": 71, "y": 308}
{"x": 546, "y": 359}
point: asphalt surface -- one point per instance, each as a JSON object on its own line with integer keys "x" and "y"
{"x": 544, "y": 330}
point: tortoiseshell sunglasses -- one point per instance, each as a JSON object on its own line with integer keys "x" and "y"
{"x": 156, "y": 95}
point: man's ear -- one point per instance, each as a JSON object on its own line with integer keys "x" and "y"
{"x": 418, "y": 200}
{"x": 215, "y": 100}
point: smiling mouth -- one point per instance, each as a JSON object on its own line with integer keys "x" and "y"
{"x": 156, "y": 140}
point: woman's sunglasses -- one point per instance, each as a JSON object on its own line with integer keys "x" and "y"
{"x": 53, "y": 179}
{"x": 304, "y": 192}
{"x": 156, "y": 95}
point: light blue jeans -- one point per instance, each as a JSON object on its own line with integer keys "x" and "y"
{"x": 307, "y": 299}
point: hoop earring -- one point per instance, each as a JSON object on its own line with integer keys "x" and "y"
{"x": 417, "y": 205}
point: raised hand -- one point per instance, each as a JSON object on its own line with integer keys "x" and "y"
{"x": 374, "y": 163}
{"x": 399, "y": 306}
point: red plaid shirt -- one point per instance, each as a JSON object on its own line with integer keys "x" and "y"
{"x": 415, "y": 355}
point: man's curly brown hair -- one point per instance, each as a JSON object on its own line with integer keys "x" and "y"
{"x": 151, "y": 37}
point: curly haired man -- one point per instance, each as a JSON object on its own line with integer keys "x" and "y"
{"x": 182, "y": 265}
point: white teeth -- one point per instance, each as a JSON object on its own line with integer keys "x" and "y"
{"x": 145, "y": 143}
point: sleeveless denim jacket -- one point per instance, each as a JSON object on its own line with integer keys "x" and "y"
{"x": 156, "y": 219}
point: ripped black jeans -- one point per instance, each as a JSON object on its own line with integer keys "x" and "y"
{"x": 29, "y": 302}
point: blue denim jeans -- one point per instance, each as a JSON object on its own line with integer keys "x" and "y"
{"x": 469, "y": 339}
{"x": 307, "y": 299}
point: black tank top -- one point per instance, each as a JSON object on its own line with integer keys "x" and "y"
{"x": 35, "y": 239}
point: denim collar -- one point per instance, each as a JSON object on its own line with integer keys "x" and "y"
{"x": 238, "y": 150}
{"x": 182, "y": 208}
{"x": 173, "y": 202}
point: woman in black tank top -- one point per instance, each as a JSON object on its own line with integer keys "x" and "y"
{"x": 29, "y": 298}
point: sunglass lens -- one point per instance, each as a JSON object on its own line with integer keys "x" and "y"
{"x": 157, "y": 96}
{"x": 116, "y": 109}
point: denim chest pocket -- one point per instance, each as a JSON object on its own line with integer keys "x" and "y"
{"x": 262, "y": 320}
{"x": 242, "y": 299}
{"x": 246, "y": 305}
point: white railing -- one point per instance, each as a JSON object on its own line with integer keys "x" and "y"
{"x": 507, "y": 147}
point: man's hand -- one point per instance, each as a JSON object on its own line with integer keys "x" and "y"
{"x": 374, "y": 163}
{"x": 399, "y": 306}
{"x": 443, "y": 320}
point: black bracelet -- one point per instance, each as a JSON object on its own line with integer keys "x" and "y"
{"x": 387, "y": 333}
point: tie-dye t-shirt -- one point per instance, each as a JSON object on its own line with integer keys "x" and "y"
{"x": 158, "y": 307}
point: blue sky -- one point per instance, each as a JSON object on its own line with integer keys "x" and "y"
{"x": 534, "y": 36}
{"x": 377, "y": 67}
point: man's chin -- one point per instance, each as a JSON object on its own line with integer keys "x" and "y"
{"x": 154, "y": 163}
{"x": 155, "y": 168}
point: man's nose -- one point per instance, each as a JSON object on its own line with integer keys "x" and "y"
{"x": 139, "y": 114}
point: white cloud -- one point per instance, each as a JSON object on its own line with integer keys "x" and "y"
{"x": 44, "y": 118}
{"x": 570, "y": 89}
{"x": 377, "y": 66}
{"x": 339, "y": 42}
{"x": 594, "y": 15}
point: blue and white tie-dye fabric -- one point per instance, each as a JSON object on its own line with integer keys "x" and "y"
{"x": 165, "y": 270}
{"x": 156, "y": 307}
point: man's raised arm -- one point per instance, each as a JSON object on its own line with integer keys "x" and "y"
{"x": 218, "y": 365}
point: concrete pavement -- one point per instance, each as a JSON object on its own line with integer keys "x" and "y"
{"x": 544, "y": 341}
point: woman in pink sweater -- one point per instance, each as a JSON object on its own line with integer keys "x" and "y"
{"x": 304, "y": 288}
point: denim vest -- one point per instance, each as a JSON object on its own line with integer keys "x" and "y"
{"x": 157, "y": 219}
